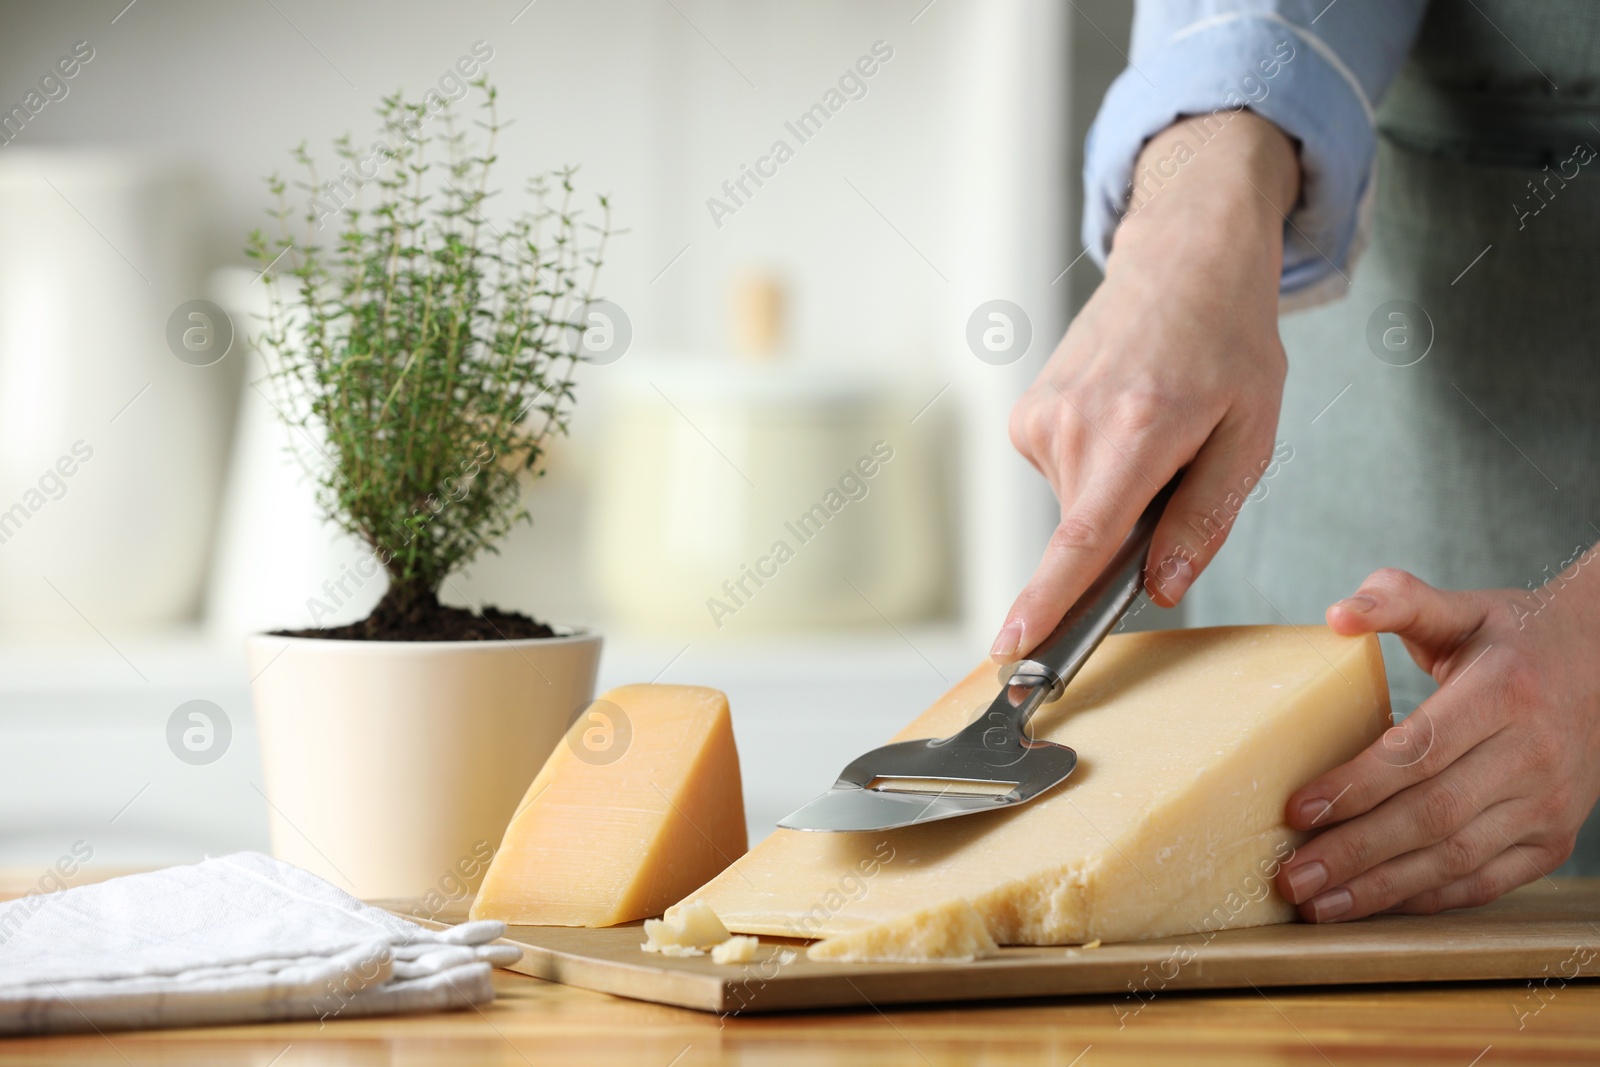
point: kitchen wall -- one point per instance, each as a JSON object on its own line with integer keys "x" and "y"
{"x": 883, "y": 228}
{"x": 947, "y": 179}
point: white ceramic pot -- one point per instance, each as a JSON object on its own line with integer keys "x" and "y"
{"x": 392, "y": 767}
{"x": 122, "y": 527}
{"x": 728, "y": 461}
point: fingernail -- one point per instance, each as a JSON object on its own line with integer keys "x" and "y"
{"x": 1311, "y": 812}
{"x": 1306, "y": 879}
{"x": 1008, "y": 641}
{"x": 1331, "y": 905}
{"x": 1174, "y": 575}
{"x": 1360, "y": 603}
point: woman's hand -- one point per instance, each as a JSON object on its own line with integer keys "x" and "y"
{"x": 1484, "y": 786}
{"x": 1175, "y": 361}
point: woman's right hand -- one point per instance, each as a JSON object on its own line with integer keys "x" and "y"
{"x": 1174, "y": 362}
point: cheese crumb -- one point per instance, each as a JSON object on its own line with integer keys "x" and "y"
{"x": 679, "y": 951}
{"x": 1092, "y": 944}
{"x": 739, "y": 949}
{"x": 685, "y": 926}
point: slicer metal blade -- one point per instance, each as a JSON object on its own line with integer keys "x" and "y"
{"x": 921, "y": 781}
{"x": 940, "y": 778}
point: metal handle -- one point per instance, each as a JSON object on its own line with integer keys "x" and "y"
{"x": 1060, "y": 656}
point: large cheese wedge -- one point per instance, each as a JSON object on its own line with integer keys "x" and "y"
{"x": 1189, "y": 744}
{"x": 641, "y": 803}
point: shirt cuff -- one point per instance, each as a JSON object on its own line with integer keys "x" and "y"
{"x": 1282, "y": 73}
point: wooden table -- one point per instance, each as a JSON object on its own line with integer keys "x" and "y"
{"x": 535, "y": 1022}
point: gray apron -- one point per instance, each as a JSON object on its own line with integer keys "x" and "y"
{"x": 1459, "y": 441}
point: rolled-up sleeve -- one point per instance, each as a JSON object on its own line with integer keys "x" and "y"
{"x": 1312, "y": 68}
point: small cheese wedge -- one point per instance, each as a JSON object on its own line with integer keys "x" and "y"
{"x": 952, "y": 931}
{"x": 601, "y": 839}
{"x": 1189, "y": 744}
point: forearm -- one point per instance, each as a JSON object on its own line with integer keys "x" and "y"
{"x": 1240, "y": 65}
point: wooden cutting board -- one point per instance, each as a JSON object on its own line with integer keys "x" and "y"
{"x": 1548, "y": 932}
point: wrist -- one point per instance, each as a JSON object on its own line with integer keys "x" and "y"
{"x": 1228, "y": 179}
{"x": 1570, "y": 597}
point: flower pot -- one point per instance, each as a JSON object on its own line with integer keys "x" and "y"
{"x": 393, "y": 767}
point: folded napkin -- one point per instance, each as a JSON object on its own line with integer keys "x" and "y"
{"x": 241, "y": 938}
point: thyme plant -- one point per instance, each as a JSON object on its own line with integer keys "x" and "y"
{"x": 425, "y": 354}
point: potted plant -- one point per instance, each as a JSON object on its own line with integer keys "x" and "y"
{"x": 423, "y": 359}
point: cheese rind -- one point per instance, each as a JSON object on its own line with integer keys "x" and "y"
{"x": 598, "y": 840}
{"x": 1189, "y": 743}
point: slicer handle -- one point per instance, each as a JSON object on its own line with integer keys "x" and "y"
{"x": 1059, "y": 656}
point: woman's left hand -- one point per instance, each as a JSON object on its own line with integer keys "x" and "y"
{"x": 1484, "y": 786}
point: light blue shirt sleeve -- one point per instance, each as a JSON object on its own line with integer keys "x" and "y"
{"x": 1312, "y": 67}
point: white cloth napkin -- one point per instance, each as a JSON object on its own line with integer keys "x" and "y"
{"x": 240, "y": 938}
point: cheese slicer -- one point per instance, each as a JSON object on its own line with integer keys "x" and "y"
{"x": 992, "y": 764}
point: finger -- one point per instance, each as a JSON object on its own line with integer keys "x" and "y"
{"x": 1201, "y": 513}
{"x": 1447, "y": 725}
{"x": 1033, "y": 430}
{"x": 1432, "y": 622}
{"x": 1414, "y": 873}
{"x": 1418, "y": 817}
{"x": 1056, "y": 442}
{"x": 1091, "y": 529}
{"x": 1517, "y": 865}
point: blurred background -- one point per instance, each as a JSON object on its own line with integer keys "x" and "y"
{"x": 768, "y": 337}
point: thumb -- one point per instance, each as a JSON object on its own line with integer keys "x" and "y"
{"x": 1432, "y": 622}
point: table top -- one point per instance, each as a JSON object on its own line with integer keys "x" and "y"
{"x": 533, "y": 1022}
